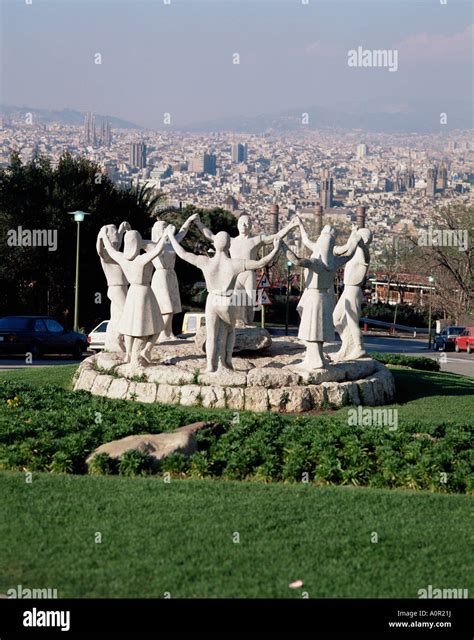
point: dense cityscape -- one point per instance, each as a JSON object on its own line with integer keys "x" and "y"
{"x": 395, "y": 181}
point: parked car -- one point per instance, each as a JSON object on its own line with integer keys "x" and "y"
{"x": 192, "y": 322}
{"x": 465, "y": 342}
{"x": 96, "y": 337}
{"x": 39, "y": 335}
{"x": 444, "y": 340}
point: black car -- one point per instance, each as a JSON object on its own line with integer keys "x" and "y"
{"x": 39, "y": 335}
{"x": 444, "y": 340}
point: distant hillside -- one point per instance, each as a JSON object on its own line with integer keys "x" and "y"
{"x": 422, "y": 121}
{"x": 64, "y": 116}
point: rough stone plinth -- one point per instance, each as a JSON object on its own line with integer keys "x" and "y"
{"x": 246, "y": 339}
{"x": 273, "y": 382}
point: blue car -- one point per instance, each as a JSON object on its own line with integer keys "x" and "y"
{"x": 444, "y": 340}
{"x": 39, "y": 335}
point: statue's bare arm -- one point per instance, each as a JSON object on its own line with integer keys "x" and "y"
{"x": 251, "y": 265}
{"x": 299, "y": 262}
{"x": 113, "y": 253}
{"x": 282, "y": 233}
{"x": 207, "y": 233}
{"x": 304, "y": 236}
{"x": 350, "y": 246}
{"x": 192, "y": 258}
{"x": 151, "y": 254}
{"x": 185, "y": 227}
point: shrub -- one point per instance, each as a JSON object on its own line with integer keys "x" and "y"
{"x": 413, "y": 362}
{"x": 135, "y": 463}
{"x": 102, "y": 464}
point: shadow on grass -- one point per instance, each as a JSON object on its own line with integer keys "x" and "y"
{"x": 413, "y": 384}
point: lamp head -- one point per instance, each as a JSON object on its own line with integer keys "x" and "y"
{"x": 79, "y": 215}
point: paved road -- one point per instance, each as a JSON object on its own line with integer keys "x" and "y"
{"x": 449, "y": 361}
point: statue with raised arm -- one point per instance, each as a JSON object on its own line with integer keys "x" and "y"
{"x": 317, "y": 302}
{"x": 165, "y": 283}
{"x": 141, "y": 320}
{"x": 246, "y": 247}
{"x": 117, "y": 285}
{"x": 221, "y": 273}
{"x": 349, "y": 307}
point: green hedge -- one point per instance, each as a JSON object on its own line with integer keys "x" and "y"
{"x": 50, "y": 429}
{"x": 413, "y": 362}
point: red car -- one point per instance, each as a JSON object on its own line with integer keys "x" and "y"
{"x": 465, "y": 342}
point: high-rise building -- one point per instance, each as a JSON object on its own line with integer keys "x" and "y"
{"x": 137, "y": 155}
{"x": 442, "y": 179}
{"x": 326, "y": 190}
{"x": 239, "y": 152}
{"x": 203, "y": 163}
{"x": 361, "y": 151}
{"x": 209, "y": 163}
{"x": 431, "y": 179}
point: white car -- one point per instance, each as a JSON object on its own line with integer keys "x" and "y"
{"x": 96, "y": 337}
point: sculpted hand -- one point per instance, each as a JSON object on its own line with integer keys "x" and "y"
{"x": 170, "y": 230}
{"x": 276, "y": 243}
{"x": 124, "y": 226}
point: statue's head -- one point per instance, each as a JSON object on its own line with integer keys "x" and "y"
{"x": 157, "y": 230}
{"x": 132, "y": 244}
{"x": 366, "y": 236}
{"x": 244, "y": 224}
{"x": 222, "y": 241}
{"x": 325, "y": 243}
{"x": 113, "y": 235}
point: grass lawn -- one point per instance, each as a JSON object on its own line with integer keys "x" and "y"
{"x": 177, "y": 538}
{"x": 60, "y": 375}
{"x": 423, "y": 396}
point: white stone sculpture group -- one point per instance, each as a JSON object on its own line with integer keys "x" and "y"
{"x": 144, "y": 292}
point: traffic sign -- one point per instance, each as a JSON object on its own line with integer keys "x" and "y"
{"x": 263, "y": 298}
{"x": 264, "y": 282}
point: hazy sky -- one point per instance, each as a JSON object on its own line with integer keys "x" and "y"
{"x": 177, "y": 58}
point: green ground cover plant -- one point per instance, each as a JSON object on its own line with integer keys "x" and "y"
{"x": 48, "y": 428}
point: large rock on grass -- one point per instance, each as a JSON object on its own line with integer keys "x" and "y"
{"x": 156, "y": 445}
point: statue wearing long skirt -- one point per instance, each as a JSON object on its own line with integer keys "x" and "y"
{"x": 246, "y": 247}
{"x": 317, "y": 302}
{"x": 164, "y": 282}
{"x": 220, "y": 273}
{"x": 117, "y": 285}
{"x": 141, "y": 320}
{"x": 349, "y": 307}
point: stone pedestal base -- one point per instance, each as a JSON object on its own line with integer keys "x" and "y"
{"x": 257, "y": 383}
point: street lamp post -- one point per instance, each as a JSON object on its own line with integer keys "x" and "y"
{"x": 288, "y": 270}
{"x": 78, "y": 217}
{"x": 431, "y": 280}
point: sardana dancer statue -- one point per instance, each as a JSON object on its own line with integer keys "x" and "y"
{"x": 349, "y": 307}
{"x": 117, "y": 285}
{"x": 246, "y": 247}
{"x": 165, "y": 283}
{"x": 141, "y": 320}
{"x": 220, "y": 273}
{"x": 317, "y": 302}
